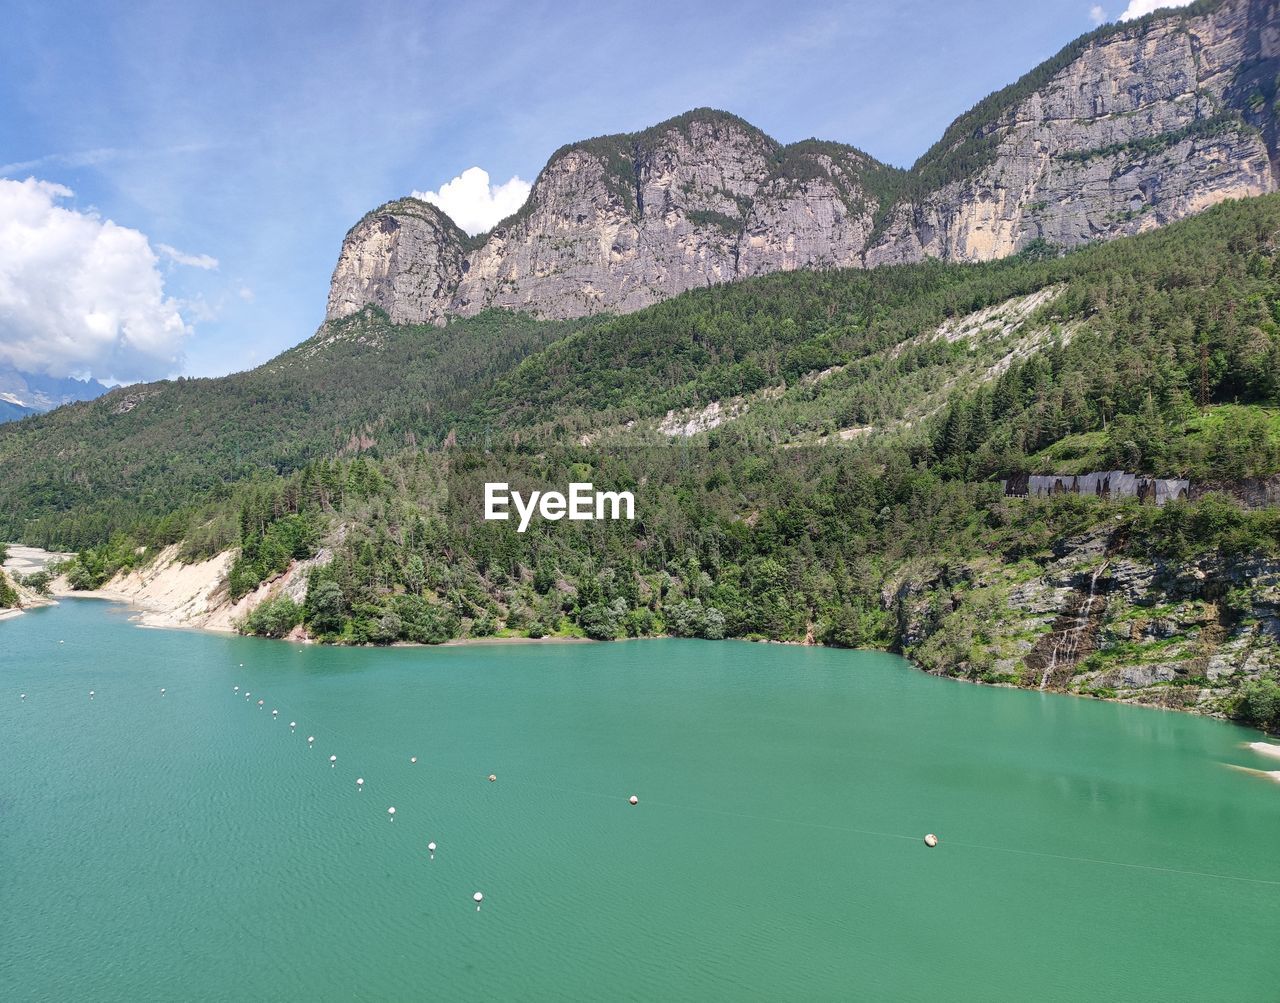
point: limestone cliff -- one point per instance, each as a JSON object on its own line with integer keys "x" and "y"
{"x": 405, "y": 258}
{"x": 1130, "y": 127}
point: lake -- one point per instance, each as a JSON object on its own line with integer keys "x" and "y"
{"x": 191, "y": 846}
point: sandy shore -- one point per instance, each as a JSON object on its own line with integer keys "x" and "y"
{"x": 1266, "y": 749}
{"x": 1272, "y": 775}
{"x": 24, "y": 560}
{"x": 168, "y": 593}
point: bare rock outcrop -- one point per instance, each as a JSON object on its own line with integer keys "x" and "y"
{"x": 1144, "y": 124}
{"x": 1128, "y": 128}
{"x": 405, "y": 258}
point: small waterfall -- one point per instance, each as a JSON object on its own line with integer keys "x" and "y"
{"x": 1068, "y": 641}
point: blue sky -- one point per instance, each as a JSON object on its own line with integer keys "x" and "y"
{"x": 237, "y": 141}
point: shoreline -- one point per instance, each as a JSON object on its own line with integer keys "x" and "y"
{"x": 156, "y": 615}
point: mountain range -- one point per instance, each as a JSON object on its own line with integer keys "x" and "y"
{"x": 816, "y": 446}
{"x": 1127, "y": 128}
{"x": 24, "y": 394}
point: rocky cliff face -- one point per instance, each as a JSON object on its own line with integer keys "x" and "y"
{"x": 1096, "y": 621}
{"x": 1142, "y": 126}
{"x": 406, "y": 258}
{"x": 1126, "y": 129}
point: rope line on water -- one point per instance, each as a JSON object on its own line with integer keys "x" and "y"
{"x": 853, "y": 830}
{"x": 831, "y": 827}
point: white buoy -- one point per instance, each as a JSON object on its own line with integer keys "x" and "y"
{"x": 431, "y": 849}
{"x": 236, "y": 689}
{"x": 359, "y": 783}
{"x": 634, "y": 800}
{"x": 292, "y": 725}
{"x": 392, "y": 813}
{"x": 310, "y": 740}
{"x": 62, "y": 642}
{"x": 413, "y": 759}
{"x": 478, "y": 897}
{"x": 162, "y": 691}
{"x": 91, "y": 694}
{"x": 24, "y": 696}
{"x": 274, "y": 712}
{"x": 333, "y": 761}
{"x": 259, "y": 705}
{"x": 492, "y": 777}
{"x": 931, "y": 840}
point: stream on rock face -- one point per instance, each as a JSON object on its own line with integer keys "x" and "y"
{"x": 1066, "y": 643}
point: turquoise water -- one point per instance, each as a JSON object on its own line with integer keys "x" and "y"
{"x": 188, "y": 846}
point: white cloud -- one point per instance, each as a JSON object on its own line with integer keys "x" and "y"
{"x": 473, "y": 203}
{"x": 205, "y": 261}
{"x": 1096, "y": 14}
{"x": 80, "y": 295}
{"x": 1137, "y": 8}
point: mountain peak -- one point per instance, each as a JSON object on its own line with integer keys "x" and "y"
{"x": 23, "y": 394}
{"x": 1129, "y": 127}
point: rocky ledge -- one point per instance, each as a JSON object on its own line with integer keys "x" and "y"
{"x": 1098, "y": 622}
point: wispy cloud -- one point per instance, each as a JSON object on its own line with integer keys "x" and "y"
{"x": 1096, "y": 14}
{"x": 92, "y": 158}
{"x": 205, "y": 261}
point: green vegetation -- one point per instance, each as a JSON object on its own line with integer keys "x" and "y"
{"x": 1214, "y": 125}
{"x": 1214, "y": 524}
{"x": 8, "y": 594}
{"x": 82, "y": 473}
{"x": 93, "y": 566}
{"x": 1259, "y": 703}
{"x": 368, "y": 446}
{"x": 273, "y": 617}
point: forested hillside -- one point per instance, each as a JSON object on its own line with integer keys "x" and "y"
{"x": 1131, "y": 340}
{"x": 145, "y": 451}
{"x": 848, "y": 497}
